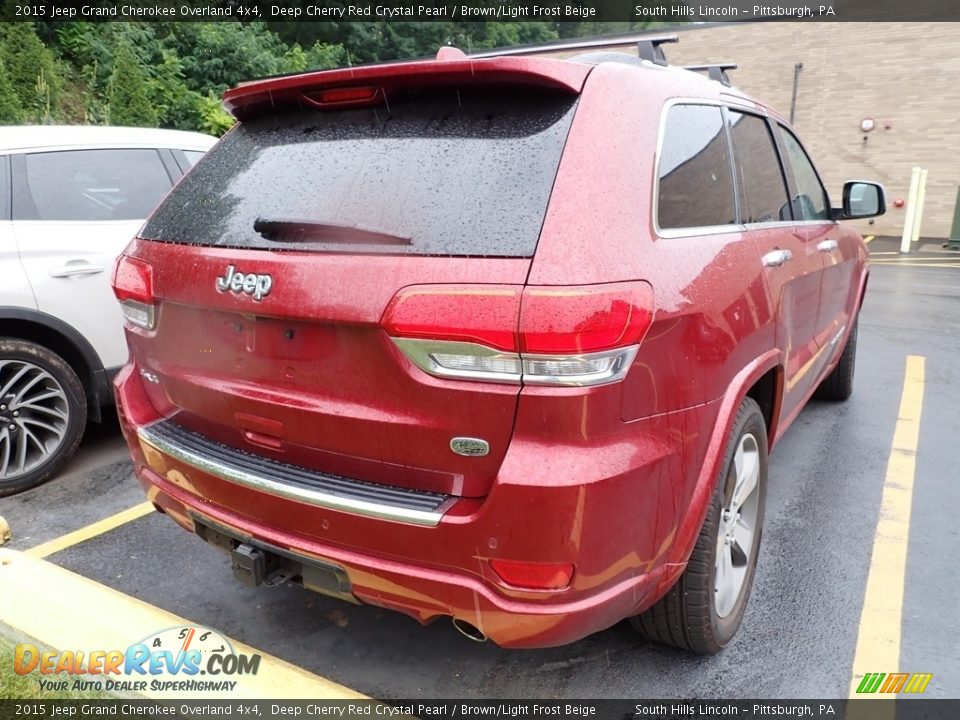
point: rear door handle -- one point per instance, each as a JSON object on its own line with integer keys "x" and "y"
{"x": 70, "y": 270}
{"x": 828, "y": 246}
{"x": 776, "y": 258}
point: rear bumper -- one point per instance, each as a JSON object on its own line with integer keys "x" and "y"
{"x": 614, "y": 519}
{"x": 428, "y": 593}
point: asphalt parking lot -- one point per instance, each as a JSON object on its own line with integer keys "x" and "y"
{"x": 802, "y": 636}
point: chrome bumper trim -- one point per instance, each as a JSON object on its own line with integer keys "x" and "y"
{"x": 416, "y": 507}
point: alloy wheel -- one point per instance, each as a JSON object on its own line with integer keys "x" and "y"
{"x": 737, "y": 527}
{"x": 33, "y": 417}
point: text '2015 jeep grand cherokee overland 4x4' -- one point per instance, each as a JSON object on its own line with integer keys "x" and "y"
{"x": 503, "y": 340}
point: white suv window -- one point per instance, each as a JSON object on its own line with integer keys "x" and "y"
{"x": 193, "y": 156}
{"x": 91, "y": 185}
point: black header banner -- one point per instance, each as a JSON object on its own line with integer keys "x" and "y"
{"x": 913, "y": 709}
{"x": 673, "y": 12}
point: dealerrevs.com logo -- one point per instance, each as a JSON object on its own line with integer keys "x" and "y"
{"x": 181, "y": 659}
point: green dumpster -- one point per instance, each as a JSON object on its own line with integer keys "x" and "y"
{"x": 954, "y": 242}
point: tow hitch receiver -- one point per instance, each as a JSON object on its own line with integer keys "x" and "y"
{"x": 255, "y": 562}
{"x": 248, "y": 564}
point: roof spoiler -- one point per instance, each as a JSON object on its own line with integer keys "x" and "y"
{"x": 371, "y": 84}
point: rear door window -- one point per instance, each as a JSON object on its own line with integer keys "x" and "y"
{"x": 695, "y": 178}
{"x": 760, "y": 181}
{"x": 444, "y": 173}
{"x": 809, "y": 197}
{"x": 88, "y": 185}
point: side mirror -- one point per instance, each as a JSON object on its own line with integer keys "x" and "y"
{"x": 861, "y": 199}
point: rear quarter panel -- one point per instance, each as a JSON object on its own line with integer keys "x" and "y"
{"x": 713, "y": 332}
{"x": 712, "y": 308}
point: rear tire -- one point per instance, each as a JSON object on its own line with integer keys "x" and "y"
{"x": 838, "y": 385}
{"x": 43, "y": 411}
{"x": 703, "y": 610}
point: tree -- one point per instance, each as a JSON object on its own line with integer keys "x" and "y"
{"x": 127, "y": 97}
{"x": 31, "y": 69}
{"x": 172, "y": 74}
{"x": 472, "y": 36}
{"x": 214, "y": 120}
{"x": 218, "y": 55}
{"x": 11, "y": 112}
{"x": 319, "y": 57}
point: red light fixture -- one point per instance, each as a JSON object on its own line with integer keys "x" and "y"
{"x": 360, "y": 95}
{"x": 483, "y": 314}
{"x": 133, "y": 286}
{"x": 584, "y": 319}
{"x": 574, "y": 336}
{"x": 533, "y": 576}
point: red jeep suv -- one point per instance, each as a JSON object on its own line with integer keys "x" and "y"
{"x": 502, "y": 340}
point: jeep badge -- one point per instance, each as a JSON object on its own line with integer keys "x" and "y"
{"x": 251, "y": 284}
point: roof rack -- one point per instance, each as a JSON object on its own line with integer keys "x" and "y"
{"x": 648, "y": 46}
{"x": 715, "y": 71}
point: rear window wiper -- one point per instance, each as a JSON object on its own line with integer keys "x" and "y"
{"x": 293, "y": 230}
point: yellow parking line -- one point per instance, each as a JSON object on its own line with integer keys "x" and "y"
{"x": 90, "y": 531}
{"x": 878, "y": 642}
{"x": 62, "y": 610}
{"x": 918, "y": 264}
{"x": 921, "y": 257}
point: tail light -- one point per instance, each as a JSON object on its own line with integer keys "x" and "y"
{"x": 133, "y": 286}
{"x": 583, "y": 335}
{"x": 533, "y": 576}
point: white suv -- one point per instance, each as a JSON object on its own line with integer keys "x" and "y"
{"x": 71, "y": 198}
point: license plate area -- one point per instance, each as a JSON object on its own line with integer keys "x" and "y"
{"x": 255, "y": 562}
{"x": 269, "y": 338}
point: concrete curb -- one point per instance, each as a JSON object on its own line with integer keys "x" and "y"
{"x": 60, "y": 609}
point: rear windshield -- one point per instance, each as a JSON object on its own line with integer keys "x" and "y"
{"x": 452, "y": 173}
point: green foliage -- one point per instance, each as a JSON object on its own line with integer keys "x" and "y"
{"x": 475, "y": 36}
{"x": 127, "y": 95}
{"x": 11, "y": 112}
{"x": 26, "y": 686}
{"x": 214, "y": 120}
{"x": 32, "y": 71}
{"x": 174, "y": 102}
{"x": 171, "y": 74}
{"x": 217, "y": 55}
{"x": 319, "y": 57}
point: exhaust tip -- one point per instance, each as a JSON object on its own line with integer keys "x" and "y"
{"x": 469, "y": 631}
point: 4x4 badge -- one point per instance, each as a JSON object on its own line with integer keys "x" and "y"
{"x": 251, "y": 283}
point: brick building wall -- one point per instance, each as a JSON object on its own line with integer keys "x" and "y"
{"x": 906, "y": 76}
